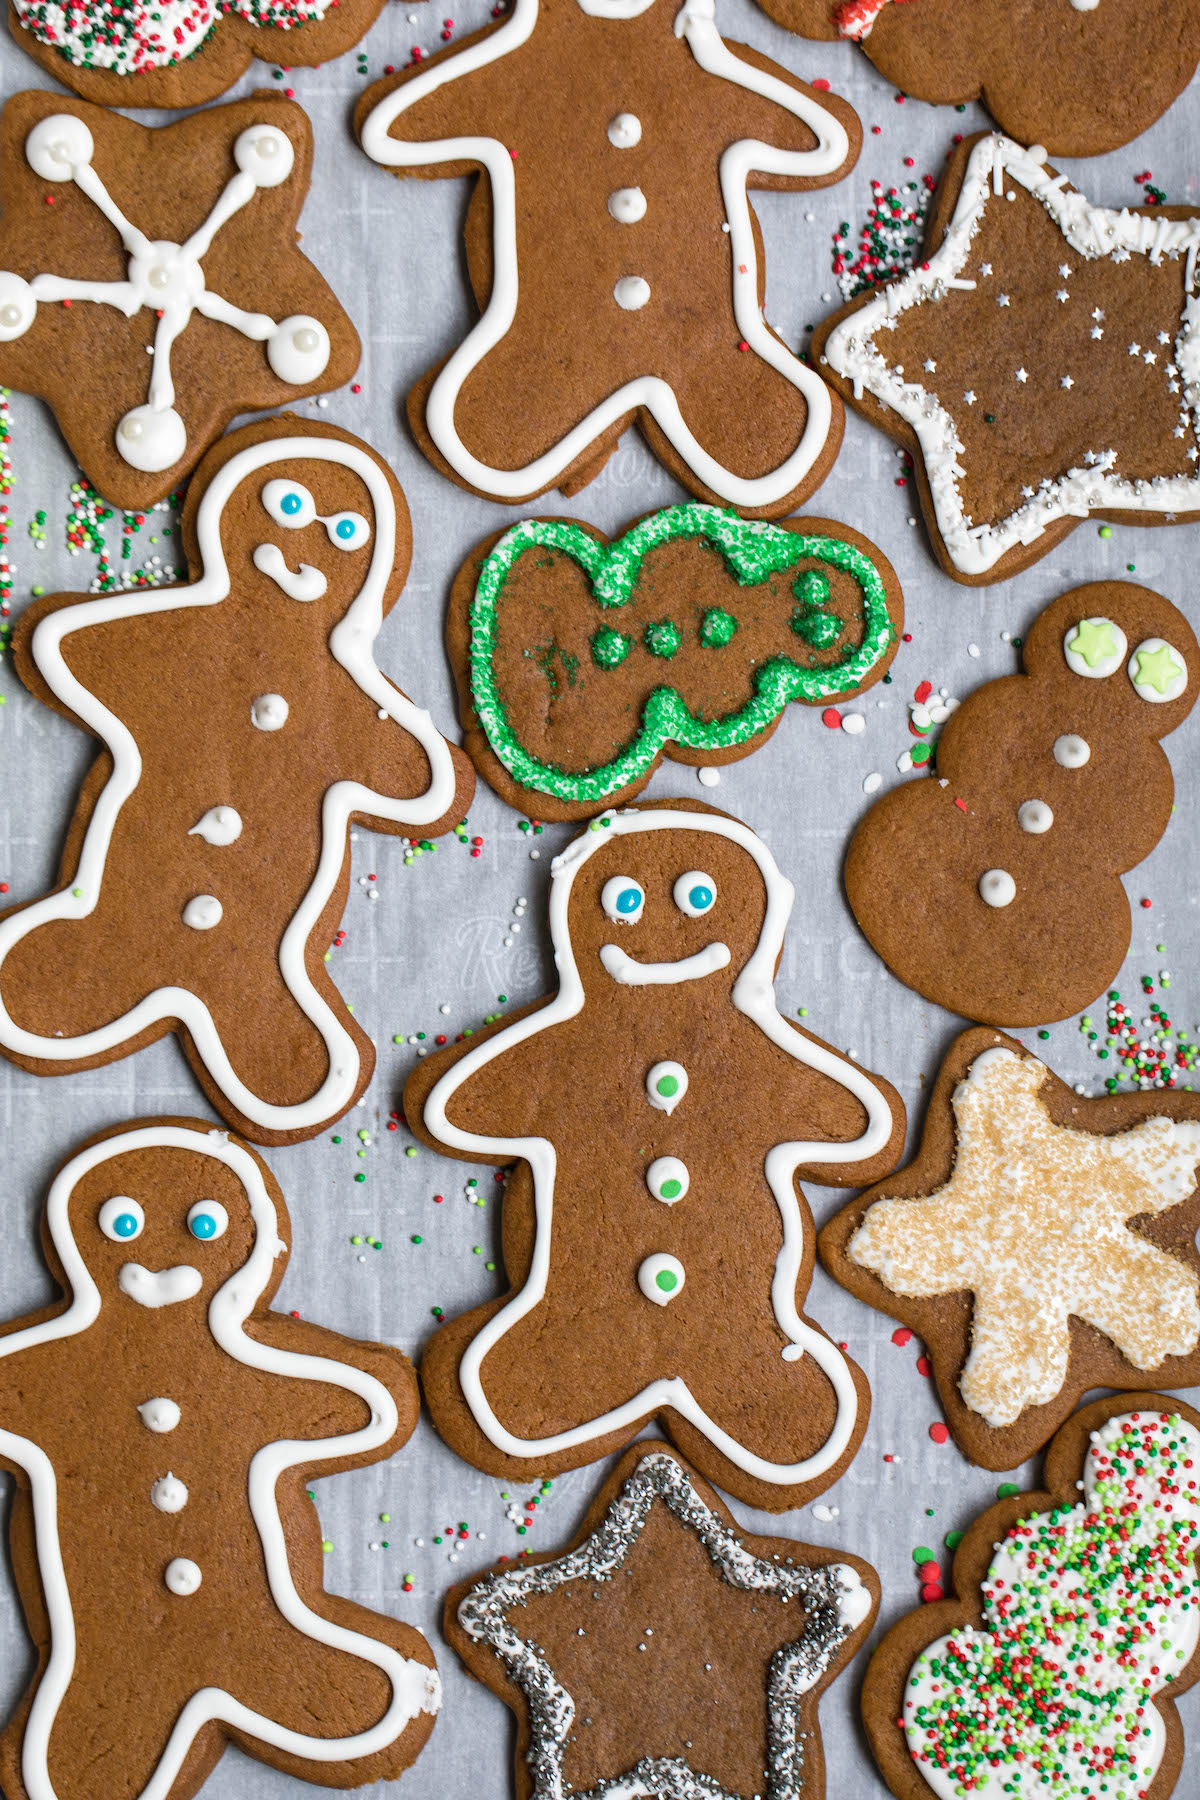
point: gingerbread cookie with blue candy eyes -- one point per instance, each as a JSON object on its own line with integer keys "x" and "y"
{"x": 163, "y": 1426}
{"x": 994, "y": 887}
{"x": 245, "y": 726}
{"x": 656, "y": 1242}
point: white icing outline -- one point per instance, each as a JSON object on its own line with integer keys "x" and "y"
{"x": 1093, "y": 232}
{"x": 415, "y": 1688}
{"x": 754, "y": 995}
{"x": 350, "y": 643}
{"x": 627, "y": 971}
{"x": 651, "y": 393}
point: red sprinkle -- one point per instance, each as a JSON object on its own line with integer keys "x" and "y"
{"x": 831, "y": 717}
{"x": 939, "y": 1431}
{"x": 901, "y": 1336}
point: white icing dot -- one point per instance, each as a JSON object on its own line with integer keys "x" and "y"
{"x": 202, "y": 912}
{"x": 298, "y": 349}
{"x": 666, "y": 1084}
{"x": 631, "y": 293}
{"x": 159, "y": 1415}
{"x": 58, "y": 145}
{"x": 627, "y": 205}
{"x": 1071, "y": 751}
{"x": 182, "y": 1575}
{"x": 625, "y": 131}
{"x": 1034, "y": 816}
{"x": 997, "y": 887}
{"x": 169, "y": 1494}
{"x": 269, "y": 712}
{"x": 219, "y": 826}
{"x": 265, "y": 154}
{"x": 661, "y": 1277}
{"x": 17, "y": 307}
{"x": 151, "y": 441}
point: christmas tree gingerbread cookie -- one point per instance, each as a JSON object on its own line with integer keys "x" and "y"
{"x": 1075, "y": 1625}
{"x": 580, "y": 662}
{"x": 1080, "y": 76}
{"x": 151, "y": 281}
{"x": 1034, "y": 1275}
{"x": 179, "y": 52}
{"x": 245, "y": 727}
{"x": 1041, "y": 362}
{"x": 163, "y": 1424}
{"x": 655, "y": 1238}
{"x": 994, "y": 889}
{"x": 613, "y": 252}
{"x": 736, "y": 1637}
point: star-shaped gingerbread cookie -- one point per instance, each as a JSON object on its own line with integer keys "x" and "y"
{"x": 1042, "y": 363}
{"x": 151, "y": 281}
{"x": 664, "y": 1652}
{"x": 1040, "y": 1243}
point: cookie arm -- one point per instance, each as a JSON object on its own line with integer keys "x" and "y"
{"x": 298, "y": 1403}
{"x": 776, "y": 109}
{"x": 476, "y": 1099}
{"x": 466, "y": 92}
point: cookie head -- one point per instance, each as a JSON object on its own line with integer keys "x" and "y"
{"x": 310, "y": 531}
{"x": 664, "y": 898}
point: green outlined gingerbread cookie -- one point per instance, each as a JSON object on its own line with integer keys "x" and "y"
{"x": 580, "y": 662}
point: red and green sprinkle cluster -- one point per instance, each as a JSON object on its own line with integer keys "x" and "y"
{"x": 887, "y": 242}
{"x": 1087, "y": 1613}
{"x": 1146, "y": 1053}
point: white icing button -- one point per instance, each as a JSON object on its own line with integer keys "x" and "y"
{"x": 1095, "y": 648}
{"x": 1071, "y": 751}
{"x": 169, "y": 1494}
{"x": 666, "y": 1084}
{"x": 151, "y": 441}
{"x": 57, "y": 146}
{"x": 159, "y": 1415}
{"x": 265, "y": 154}
{"x": 1085, "y": 5}
{"x": 269, "y": 712}
{"x": 298, "y": 349}
{"x": 220, "y": 826}
{"x": 182, "y": 1575}
{"x": 625, "y": 131}
{"x": 631, "y": 293}
{"x": 1157, "y": 671}
{"x": 627, "y": 205}
{"x": 17, "y": 307}
{"x": 997, "y": 887}
{"x": 1034, "y": 816}
{"x": 668, "y": 1179}
{"x": 202, "y": 912}
{"x": 661, "y": 1277}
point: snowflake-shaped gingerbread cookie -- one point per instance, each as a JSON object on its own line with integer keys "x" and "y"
{"x": 151, "y": 286}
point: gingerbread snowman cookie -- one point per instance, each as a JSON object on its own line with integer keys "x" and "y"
{"x": 655, "y": 1236}
{"x": 163, "y": 1425}
{"x": 613, "y": 251}
{"x": 151, "y": 281}
{"x": 246, "y": 726}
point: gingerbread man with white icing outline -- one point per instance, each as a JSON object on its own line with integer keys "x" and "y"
{"x": 245, "y": 726}
{"x": 641, "y": 299}
{"x": 165, "y": 1400}
{"x": 655, "y": 1236}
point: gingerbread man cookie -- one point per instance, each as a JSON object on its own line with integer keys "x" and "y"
{"x": 580, "y": 662}
{"x": 179, "y": 52}
{"x": 613, "y": 252}
{"x": 245, "y": 727}
{"x": 1076, "y": 1624}
{"x": 151, "y": 283}
{"x": 655, "y": 1237}
{"x": 737, "y": 1637}
{"x": 1041, "y": 362}
{"x": 162, "y": 1424}
{"x": 1034, "y": 1274}
{"x": 1080, "y": 76}
{"x": 995, "y": 888}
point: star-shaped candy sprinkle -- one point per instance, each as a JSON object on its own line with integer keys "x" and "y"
{"x": 1070, "y": 1226}
{"x": 664, "y": 1652}
{"x": 1091, "y": 423}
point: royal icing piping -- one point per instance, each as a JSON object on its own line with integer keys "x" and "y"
{"x": 831, "y": 1598}
{"x": 159, "y": 1287}
{"x": 159, "y": 1415}
{"x": 695, "y": 23}
{"x": 1158, "y": 671}
{"x": 351, "y": 644}
{"x": 132, "y": 40}
{"x": 754, "y": 996}
{"x": 1092, "y": 232}
{"x": 661, "y": 1277}
{"x": 1088, "y": 1612}
{"x": 753, "y": 551}
{"x": 169, "y": 1494}
{"x": 1071, "y": 751}
{"x": 220, "y": 825}
{"x": 165, "y": 277}
{"x": 182, "y": 1575}
{"x": 1034, "y": 1224}
{"x": 997, "y": 887}
{"x": 414, "y": 1688}
{"x": 202, "y": 912}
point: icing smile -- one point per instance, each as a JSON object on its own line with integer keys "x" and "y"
{"x": 304, "y": 583}
{"x": 159, "y": 1287}
{"x": 632, "y": 973}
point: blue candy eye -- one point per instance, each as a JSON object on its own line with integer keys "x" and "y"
{"x": 121, "y": 1219}
{"x": 695, "y": 893}
{"x": 207, "y": 1220}
{"x": 289, "y": 504}
{"x": 622, "y": 899}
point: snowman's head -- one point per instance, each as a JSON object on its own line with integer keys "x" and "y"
{"x": 655, "y": 897}
{"x": 305, "y": 525}
{"x": 165, "y": 1216}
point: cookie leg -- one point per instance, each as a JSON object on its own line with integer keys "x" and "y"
{"x": 61, "y": 979}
